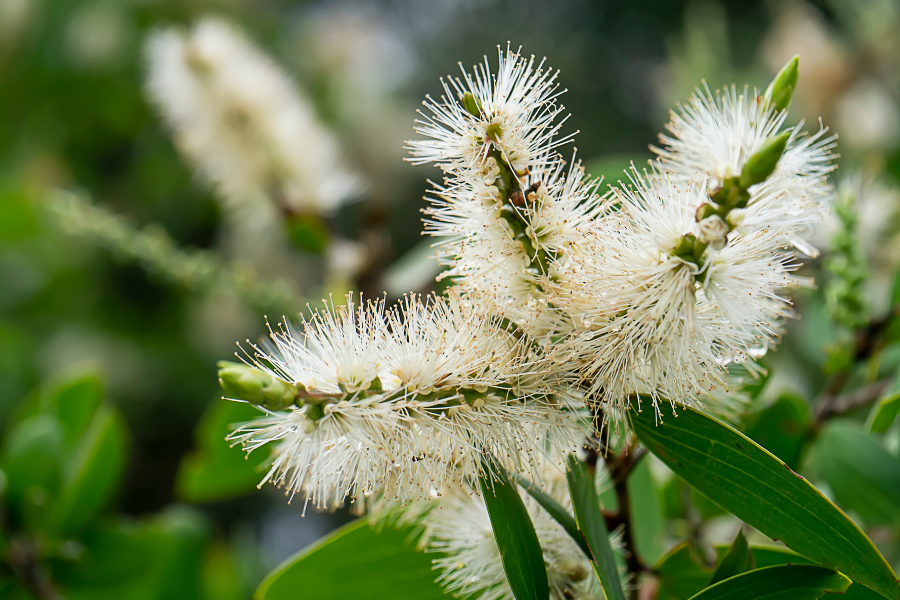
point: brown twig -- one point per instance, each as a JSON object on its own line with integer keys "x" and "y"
{"x": 22, "y": 559}
{"x": 620, "y": 467}
{"x": 867, "y": 341}
{"x": 834, "y": 406}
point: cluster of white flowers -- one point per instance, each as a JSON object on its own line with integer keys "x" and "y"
{"x": 398, "y": 403}
{"x": 569, "y": 307}
{"x": 654, "y": 288}
{"x": 241, "y": 121}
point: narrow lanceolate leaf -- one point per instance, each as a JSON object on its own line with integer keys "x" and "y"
{"x": 738, "y": 560}
{"x": 557, "y": 511}
{"x": 520, "y": 550}
{"x": 783, "y": 582}
{"x": 755, "y": 486}
{"x": 355, "y": 563}
{"x": 885, "y": 411}
{"x": 593, "y": 526}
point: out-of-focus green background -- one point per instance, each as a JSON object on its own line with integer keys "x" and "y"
{"x": 74, "y": 116}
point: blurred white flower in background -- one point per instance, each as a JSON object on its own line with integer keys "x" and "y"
{"x": 245, "y": 125}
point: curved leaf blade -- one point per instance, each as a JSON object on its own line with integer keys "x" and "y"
{"x": 885, "y": 411}
{"x": 739, "y": 559}
{"x": 94, "y": 473}
{"x": 355, "y": 563}
{"x": 557, "y": 511}
{"x": 755, "y": 486}
{"x": 592, "y": 524}
{"x": 520, "y": 549}
{"x": 783, "y": 582}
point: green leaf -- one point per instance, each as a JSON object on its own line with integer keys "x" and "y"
{"x": 217, "y": 471}
{"x": 782, "y": 582}
{"x": 646, "y": 512}
{"x": 737, "y": 560}
{"x": 33, "y": 456}
{"x": 885, "y": 411}
{"x": 557, "y": 511}
{"x": 768, "y": 556}
{"x": 308, "y": 232}
{"x": 681, "y": 574}
{"x": 759, "y": 489}
{"x": 781, "y": 428}
{"x": 592, "y": 524}
{"x": 93, "y": 474}
{"x": 71, "y": 396}
{"x": 355, "y": 563}
{"x": 864, "y": 476}
{"x": 520, "y": 549}
{"x": 159, "y": 558}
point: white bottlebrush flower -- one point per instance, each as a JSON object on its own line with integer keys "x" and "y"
{"x": 397, "y": 404}
{"x": 654, "y": 322}
{"x": 244, "y": 124}
{"x": 507, "y": 251}
{"x": 459, "y": 527}
{"x": 512, "y": 110}
{"x": 712, "y": 136}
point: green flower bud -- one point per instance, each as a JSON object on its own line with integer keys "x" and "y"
{"x": 781, "y": 90}
{"x": 243, "y": 382}
{"x": 763, "y": 162}
{"x": 470, "y": 103}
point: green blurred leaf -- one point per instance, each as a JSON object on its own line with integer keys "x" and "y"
{"x": 885, "y": 411}
{"x": 557, "y": 511}
{"x": 613, "y": 166}
{"x": 781, "y": 428}
{"x": 221, "y": 574}
{"x": 646, "y": 511}
{"x": 33, "y": 458}
{"x": 761, "y": 490}
{"x": 592, "y": 524}
{"x": 217, "y": 471}
{"x": 159, "y": 558}
{"x": 784, "y": 582}
{"x": 768, "y": 556}
{"x": 355, "y": 563}
{"x": 72, "y": 396}
{"x": 94, "y": 473}
{"x": 737, "y": 560}
{"x": 308, "y": 232}
{"x": 864, "y": 476}
{"x": 520, "y": 550}
{"x": 681, "y": 574}
{"x": 752, "y": 383}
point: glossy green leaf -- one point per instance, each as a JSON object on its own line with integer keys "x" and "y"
{"x": 94, "y": 472}
{"x": 592, "y": 524}
{"x": 520, "y": 549}
{"x": 768, "y": 556}
{"x": 216, "y": 471}
{"x": 355, "y": 563}
{"x": 72, "y": 397}
{"x": 781, "y": 428}
{"x": 864, "y": 476}
{"x": 159, "y": 558}
{"x": 557, "y": 511}
{"x": 681, "y": 573}
{"x": 646, "y": 513}
{"x": 885, "y": 410}
{"x": 758, "y": 488}
{"x": 33, "y": 457}
{"x": 782, "y": 582}
{"x": 737, "y": 560}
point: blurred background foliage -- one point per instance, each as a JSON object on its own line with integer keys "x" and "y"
{"x": 118, "y": 296}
